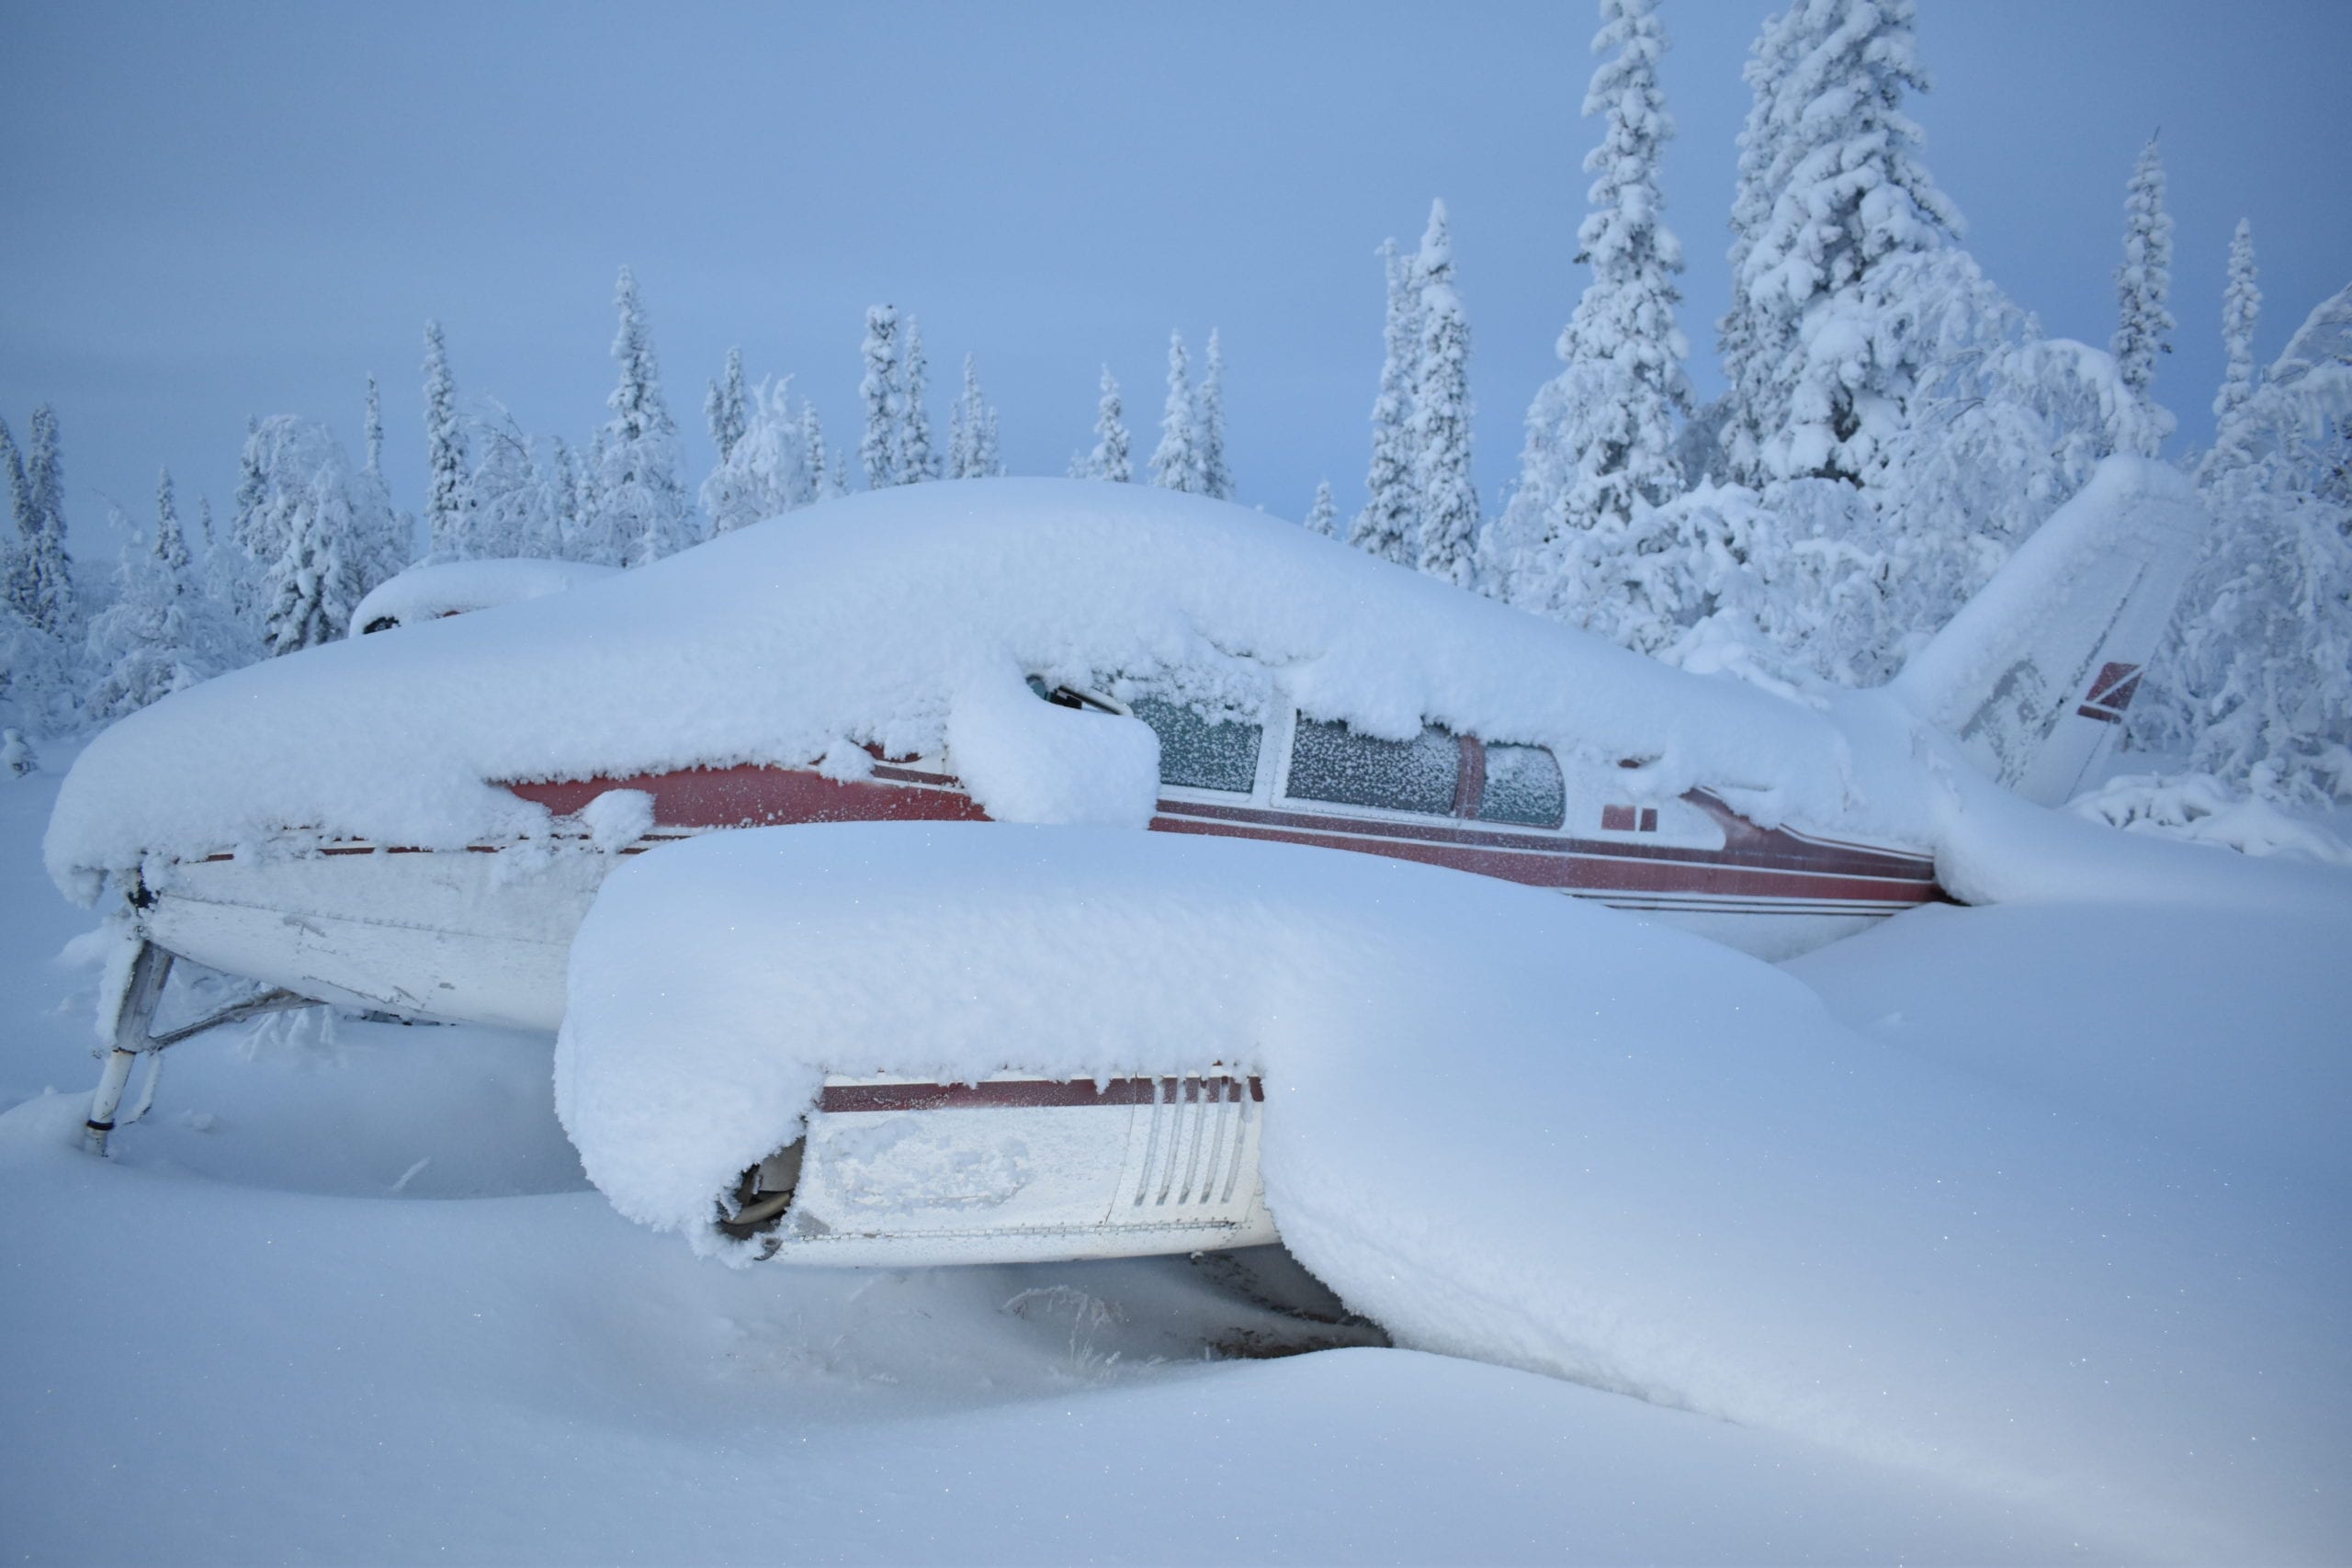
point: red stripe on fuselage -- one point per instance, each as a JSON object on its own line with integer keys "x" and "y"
{"x": 1593, "y": 873}
{"x": 756, "y": 796}
{"x": 1755, "y": 863}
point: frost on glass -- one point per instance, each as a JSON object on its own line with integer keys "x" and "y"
{"x": 1330, "y": 762}
{"x": 1523, "y": 786}
{"x": 1201, "y": 753}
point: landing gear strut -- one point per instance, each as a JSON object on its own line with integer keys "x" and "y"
{"x": 132, "y": 1040}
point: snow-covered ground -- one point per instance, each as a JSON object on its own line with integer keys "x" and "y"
{"x": 352, "y": 1299}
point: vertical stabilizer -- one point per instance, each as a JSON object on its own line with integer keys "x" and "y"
{"x": 2033, "y": 675}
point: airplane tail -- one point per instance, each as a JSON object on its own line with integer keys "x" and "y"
{"x": 2033, "y": 675}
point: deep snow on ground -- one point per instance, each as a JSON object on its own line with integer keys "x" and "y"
{"x": 351, "y": 1300}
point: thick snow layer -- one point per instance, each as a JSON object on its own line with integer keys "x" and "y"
{"x": 492, "y": 1366}
{"x": 1514, "y": 1127}
{"x": 909, "y": 619}
{"x": 453, "y": 588}
{"x": 2204, "y": 810}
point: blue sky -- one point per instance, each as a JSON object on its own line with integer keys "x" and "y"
{"x": 222, "y": 211}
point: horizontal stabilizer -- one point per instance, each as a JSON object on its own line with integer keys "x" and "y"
{"x": 2033, "y": 677}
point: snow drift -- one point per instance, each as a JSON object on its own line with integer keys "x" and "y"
{"x": 1514, "y": 1127}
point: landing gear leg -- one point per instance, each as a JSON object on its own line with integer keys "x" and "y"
{"x": 149, "y": 970}
{"x": 133, "y": 1038}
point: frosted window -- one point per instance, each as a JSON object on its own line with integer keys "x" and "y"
{"x": 1197, "y": 753}
{"x": 1330, "y": 762}
{"x": 1523, "y": 786}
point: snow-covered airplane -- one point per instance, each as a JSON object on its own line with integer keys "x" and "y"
{"x": 418, "y": 823}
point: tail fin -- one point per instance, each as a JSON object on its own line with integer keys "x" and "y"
{"x": 2033, "y": 674}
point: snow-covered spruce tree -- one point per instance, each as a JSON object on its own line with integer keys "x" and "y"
{"x": 815, "y": 482}
{"x": 310, "y": 589}
{"x": 47, "y": 597}
{"x": 725, "y": 406}
{"x": 1323, "y": 517}
{"x": 1208, "y": 423}
{"x": 37, "y": 690}
{"x": 916, "y": 460}
{"x": 2255, "y": 681}
{"x": 517, "y": 503}
{"x": 234, "y": 576}
{"x": 1740, "y": 427}
{"x": 638, "y": 504}
{"x": 1176, "y": 461}
{"x": 1389, "y": 524}
{"x": 1601, "y": 436}
{"x": 2143, "y": 283}
{"x": 770, "y": 471}
{"x": 2003, "y": 426}
{"x": 1441, "y": 413}
{"x": 446, "y": 464}
{"x": 229, "y": 573}
{"x": 1820, "y": 351}
{"x": 972, "y": 439}
{"x": 16, "y": 555}
{"x": 567, "y": 500}
{"x": 372, "y": 428}
{"x": 1110, "y": 460}
{"x": 382, "y": 538}
{"x": 878, "y": 450}
{"x": 2241, "y": 310}
{"x": 150, "y": 642}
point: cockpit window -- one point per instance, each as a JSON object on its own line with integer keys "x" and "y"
{"x": 1330, "y": 762}
{"x": 1201, "y": 753}
{"x": 1523, "y": 786}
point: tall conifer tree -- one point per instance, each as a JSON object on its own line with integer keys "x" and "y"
{"x": 1441, "y": 415}
{"x": 1389, "y": 525}
{"x": 1836, "y": 217}
{"x": 917, "y": 460}
{"x": 2143, "y": 283}
{"x": 1176, "y": 461}
{"x": 1110, "y": 458}
{"x": 2241, "y": 310}
{"x": 446, "y": 461}
{"x": 53, "y": 605}
{"x": 641, "y": 508}
{"x": 879, "y": 448}
{"x": 1600, "y": 436}
{"x": 725, "y": 406}
{"x": 1208, "y": 423}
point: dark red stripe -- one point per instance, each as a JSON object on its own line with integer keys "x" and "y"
{"x": 1553, "y": 868}
{"x": 1748, "y": 845}
{"x": 1019, "y": 1094}
{"x": 755, "y": 796}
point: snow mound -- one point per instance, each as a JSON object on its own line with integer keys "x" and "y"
{"x": 878, "y": 619}
{"x": 1515, "y": 1127}
{"x": 453, "y": 588}
{"x": 2203, "y": 809}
